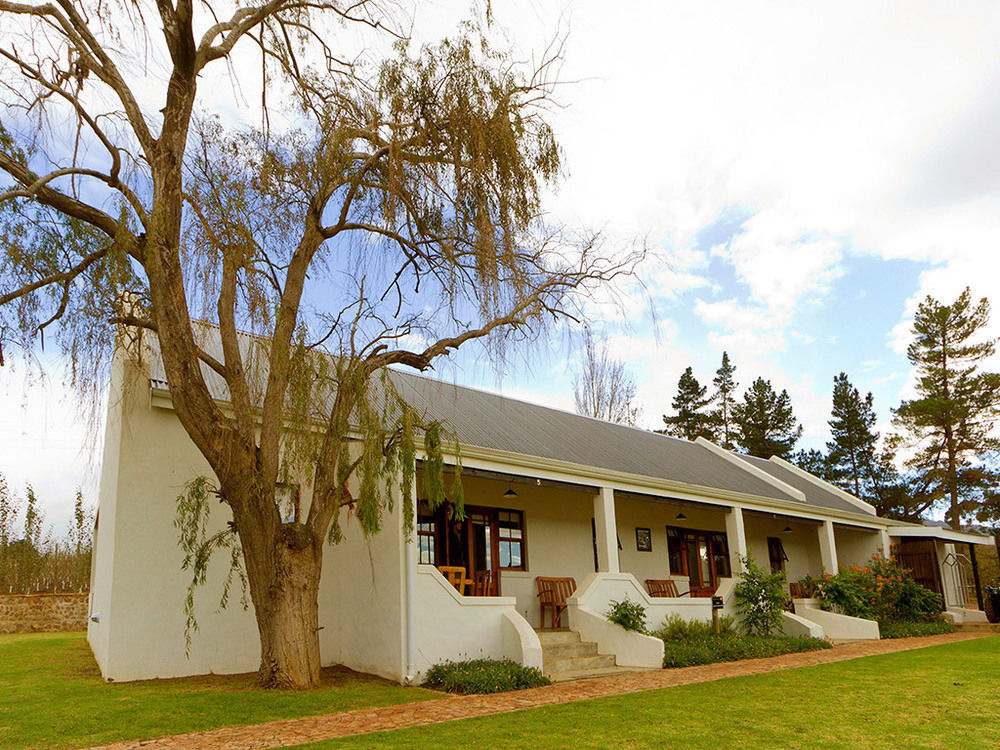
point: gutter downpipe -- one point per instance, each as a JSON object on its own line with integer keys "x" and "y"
{"x": 411, "y": 554}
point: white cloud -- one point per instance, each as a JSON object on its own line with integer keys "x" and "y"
{"x": 44, "y": 443}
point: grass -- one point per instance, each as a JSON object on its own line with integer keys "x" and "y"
{"x": 937, "y": 697}
{"x": 52, "y": 696}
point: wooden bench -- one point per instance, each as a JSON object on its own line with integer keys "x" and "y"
{"x": 663, "y": 587}
{"x": 553, "y": 593}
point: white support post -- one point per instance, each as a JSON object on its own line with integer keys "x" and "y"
{"x": 828, "y": 548}
{"x": 410, "y": 553}
{"x": 607, "y": 531}
{"x": 886, "y": 543}
{"x": 736, "y": 535}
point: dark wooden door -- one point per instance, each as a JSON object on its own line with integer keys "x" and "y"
{"x": 920, "y": 558}
{"x": 483, "y": 553}
{"x": 702, "y": 575}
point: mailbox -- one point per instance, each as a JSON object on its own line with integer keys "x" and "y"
{"x": 716, "y": 602}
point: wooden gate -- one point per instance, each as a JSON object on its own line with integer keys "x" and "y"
{"x": 920, "y": 557}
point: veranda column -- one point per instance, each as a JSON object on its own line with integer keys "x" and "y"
{"x": 737, "y": 537}
{"x": 607, "y": 531}
{"x": 828, "y": 548}
{"x": 886, "y": 544}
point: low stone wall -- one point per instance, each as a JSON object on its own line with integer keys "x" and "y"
{"x": 38, "y": 613}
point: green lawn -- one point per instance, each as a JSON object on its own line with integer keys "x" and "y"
{"x": 940, "y": 697}
{"x": 52, "y": 696}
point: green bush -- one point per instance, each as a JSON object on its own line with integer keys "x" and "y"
{"x": 483, "y": 676}
{"x": 630, "y": 615}
{"x": 674, "y": 628}
{"x": 882, "y": 591}
{"x": 687, "y": 652}
{"x": 760, "y": 598}
{"x": 912, "y": 629}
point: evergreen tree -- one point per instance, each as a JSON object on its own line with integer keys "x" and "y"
{"x": 813, "y": 461}
{"x": 690, "y": 420}
{"x": 32, "y": 519}
{"x": 948, "y": 426}
{"x": 765, "y": 423}
{"x": 725, "y": 400}
{"x": 852, "y": 451}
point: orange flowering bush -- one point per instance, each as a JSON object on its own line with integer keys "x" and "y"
{"x": 880, "y": 590}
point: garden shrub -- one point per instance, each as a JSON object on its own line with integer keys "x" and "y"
{"x": 912, "y": 629}
{"x": 687, "y": 643}
{"x": 675, "y": 628}
{"x": 687, "y": 652}
{"x": 630, "y": 615}
{"x": 483, "y": 676}
{"x": 881, "y": 591}
{"x": 760, "y": 598}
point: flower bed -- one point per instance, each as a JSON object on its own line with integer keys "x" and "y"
{"x": 686, "y": 644}
{"x": 913, "y": 629}
{"x": 885, "y": 592}
{"x": 483, "y": 676}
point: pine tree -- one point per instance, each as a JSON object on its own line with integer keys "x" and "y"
{"x": 690, "y": 421}
{"x": 814, "y": 461}
{"x": 948, "y": 426}
{"x": 852, "y": 451}
{"x": 766, "y": 425}
{"x": 725, "y": 400}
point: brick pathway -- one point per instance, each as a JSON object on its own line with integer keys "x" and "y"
{"x": 291, "y": 732}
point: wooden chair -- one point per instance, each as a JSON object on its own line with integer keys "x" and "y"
{"x": 482, "y": 583}
{"x": 553, "y": 593}
{"x": 799, "y": 591}
{"x": 456, "y": 577}
{"x": 665, "y": 587}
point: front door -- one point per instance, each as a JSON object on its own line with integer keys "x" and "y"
{"x": 482, "y": 552}
{"x": 701, "y": 565}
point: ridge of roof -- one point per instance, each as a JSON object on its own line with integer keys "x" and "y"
{"x": 746, "y": 465}
{"x": 823, "y": 484}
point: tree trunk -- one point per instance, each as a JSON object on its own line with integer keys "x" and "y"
{"x": 285, "y": 596}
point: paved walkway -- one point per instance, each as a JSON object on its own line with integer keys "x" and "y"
{"x": 289, "y": 732}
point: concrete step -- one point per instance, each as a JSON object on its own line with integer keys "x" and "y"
{"x": 568, "y": 650}
{"x": 557, "y": 637}
{"x": 577, "y": 663}
{"x": 978, "y": 627}
{"x": 583, "y": 674}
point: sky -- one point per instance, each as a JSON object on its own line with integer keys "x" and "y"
{"x": 802, "y": 175}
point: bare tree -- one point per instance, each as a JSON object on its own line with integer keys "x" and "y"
{"x": 603, "y": 388}
{"x": 401, "y": 205}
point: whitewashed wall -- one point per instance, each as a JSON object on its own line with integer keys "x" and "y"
{"x": 855, "y": 546}
{"x": 139, "y": 586}
{"x": 801, "y": 544}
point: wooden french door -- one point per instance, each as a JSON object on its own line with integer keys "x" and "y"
{"x": 701, "y": 565}
{"x": 703, "y": 556}
{"x": 483, "y": 552}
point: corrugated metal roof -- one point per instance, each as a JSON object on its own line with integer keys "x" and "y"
{"x": 815, "y": 494}
{"x": 491, "y": 421}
